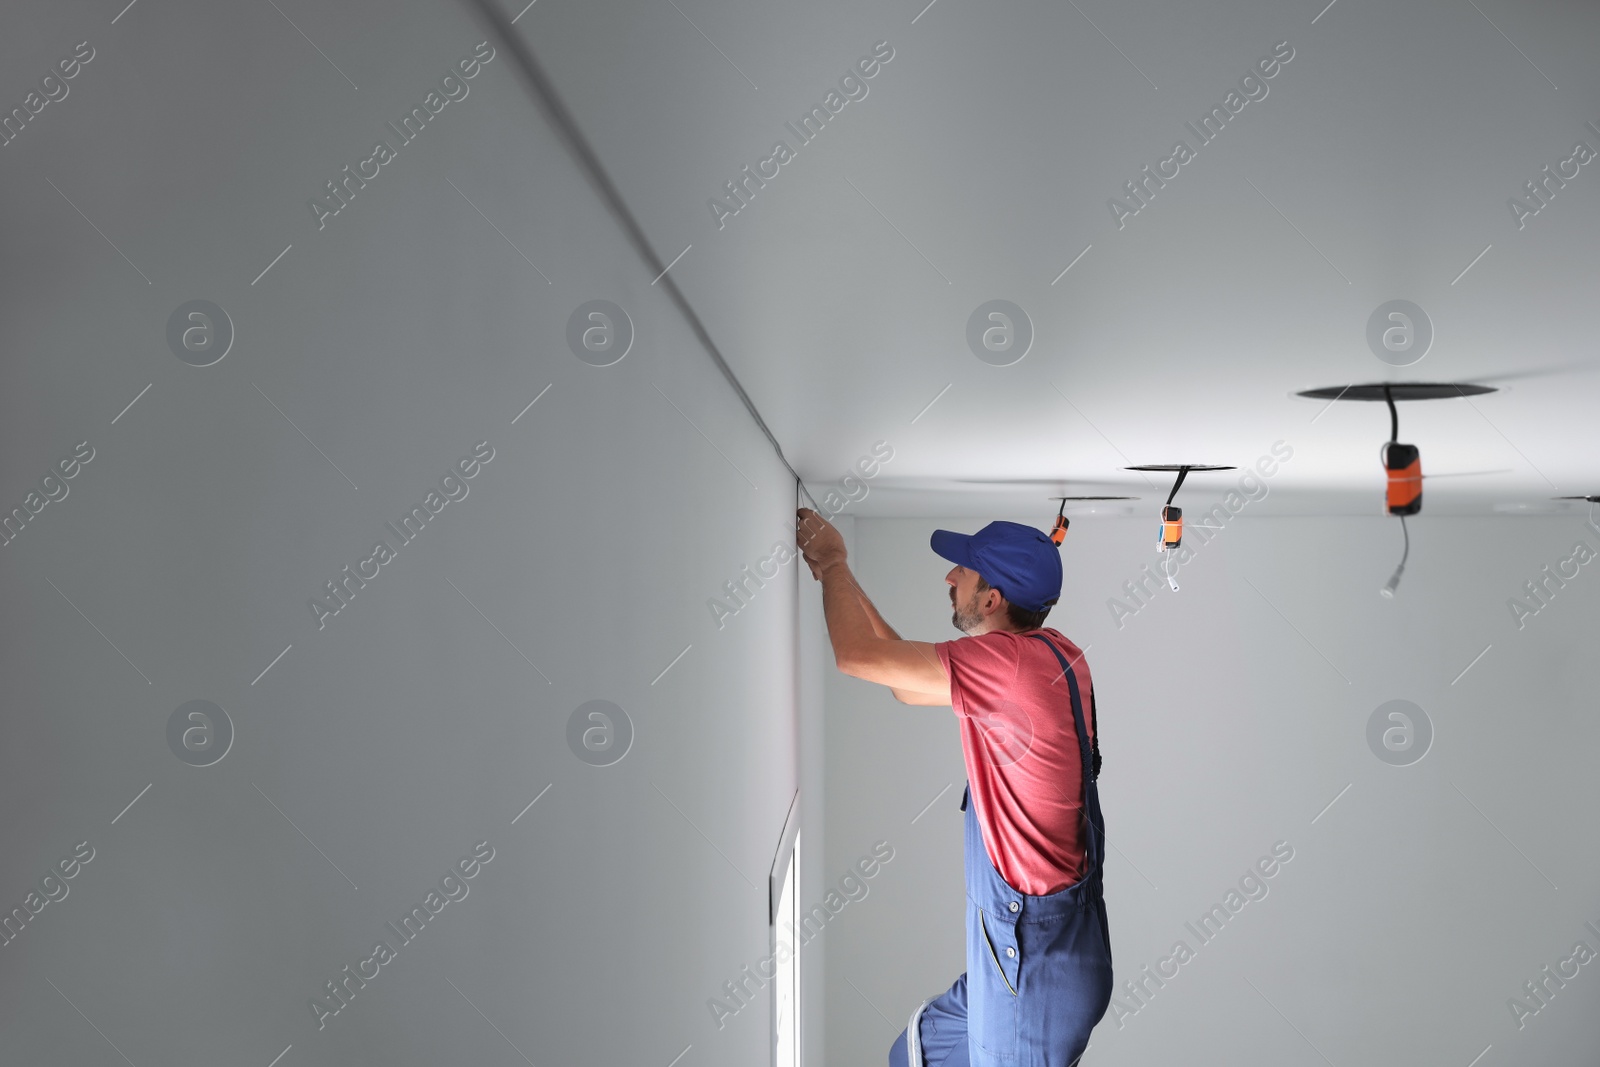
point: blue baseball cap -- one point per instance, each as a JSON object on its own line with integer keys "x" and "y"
{"x": 1020, "y": 561}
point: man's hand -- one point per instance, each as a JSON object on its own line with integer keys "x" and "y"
{"x": 820, "y": 542}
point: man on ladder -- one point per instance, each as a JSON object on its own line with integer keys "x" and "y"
{"x": 1038, "y": 973}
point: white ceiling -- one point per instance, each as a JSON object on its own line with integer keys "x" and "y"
{"x": 980, "y": 165}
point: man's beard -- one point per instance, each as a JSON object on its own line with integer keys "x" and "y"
{"x": 966, "y": 619}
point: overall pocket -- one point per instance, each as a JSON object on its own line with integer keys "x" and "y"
{"x": 992, "y": 1000}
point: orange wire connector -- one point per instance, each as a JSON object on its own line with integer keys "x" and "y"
{"x": 1403, "y": 465}
{"x": 1171, "y": 526}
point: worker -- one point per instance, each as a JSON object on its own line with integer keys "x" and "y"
{"x": 1038, "y": 949}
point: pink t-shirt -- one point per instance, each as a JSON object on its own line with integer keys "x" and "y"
{"x": 1021, "y": 751}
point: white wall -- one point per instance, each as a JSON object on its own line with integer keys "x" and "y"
{"x": 1405, "y": 920}
{"x": 433, "y": 708}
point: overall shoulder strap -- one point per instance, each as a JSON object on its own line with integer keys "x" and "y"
{"x": 1091, "y": 762}
{"x": 1094, "y": 738}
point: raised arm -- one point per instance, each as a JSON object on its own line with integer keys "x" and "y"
{"x": 882, "y": 629}
{"x": 864, "y": 645}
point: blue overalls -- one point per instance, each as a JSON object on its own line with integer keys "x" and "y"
{"x": 1038, "y": 968}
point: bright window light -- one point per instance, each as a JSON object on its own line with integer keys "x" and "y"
{"x": 786, "y": 983}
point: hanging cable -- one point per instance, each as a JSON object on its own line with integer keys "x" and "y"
{"x": 1394, "y": 579}
{"x": 544, "y": 94}
{"x": 1182, "y": 474}
{"x": 1171, "y": 529}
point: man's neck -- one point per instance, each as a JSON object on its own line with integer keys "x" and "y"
{"x": 1005, "y": 629}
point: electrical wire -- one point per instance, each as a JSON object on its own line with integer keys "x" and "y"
{"x": 1394, "y": 579}
{"x": 1166, "y": 558}
{"x": 545, "y": 95}
{"x": 1181, "y": 475}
